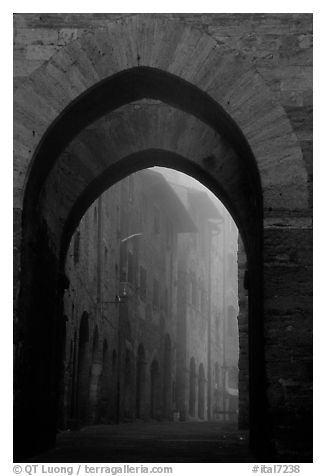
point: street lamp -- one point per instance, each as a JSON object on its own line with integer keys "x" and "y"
{"x": 130, "y": 236}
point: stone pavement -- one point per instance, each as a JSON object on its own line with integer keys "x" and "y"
{"x": 140, "y": 442}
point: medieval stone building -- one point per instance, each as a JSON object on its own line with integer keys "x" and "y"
{"x": 207, "y": 337}
{"x": 224, "y": 98}
{"x": 140, "y": 311}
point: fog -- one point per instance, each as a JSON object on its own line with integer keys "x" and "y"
{"x": 152, "y": 306}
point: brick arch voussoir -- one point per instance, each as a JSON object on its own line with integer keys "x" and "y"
{"x": 181, "y": 50}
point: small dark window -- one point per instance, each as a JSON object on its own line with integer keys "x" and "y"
{"x": 155, "y": 294}
{"x": 131, "y": 268}
{"x": 71, "y": 354}
{"x": 123, "y": 262}
{"x": 142, "y": 283}
{"x": 114, "y": 362}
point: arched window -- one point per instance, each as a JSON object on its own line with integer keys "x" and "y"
{"x": 167, "y": 379}
{"x": 192, "y": 388}
{"x": 127, "y": 386}
{"x": 140, "y": 382}
{"x": 155, "y": 390}
{"x": 201, "y": 392}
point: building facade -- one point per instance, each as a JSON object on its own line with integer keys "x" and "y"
{"x": 144, "y": 333}
{"x": 208, "y": 336}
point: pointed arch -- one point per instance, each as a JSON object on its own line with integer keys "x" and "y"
{"x": 155, "y": 410}
{"x": 250, "y": 139}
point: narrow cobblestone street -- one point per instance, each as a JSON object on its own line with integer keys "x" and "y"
{"x": 151, "y": 442}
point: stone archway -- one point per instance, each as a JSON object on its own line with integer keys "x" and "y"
{"x": 245, "y": 152}
{"x": 155, "y": 402}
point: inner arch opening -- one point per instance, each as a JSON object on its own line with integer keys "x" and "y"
{"x": 160, "y": 269}
{"x": 48, "y": 225}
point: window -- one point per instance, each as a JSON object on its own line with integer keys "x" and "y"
{"x": 123, "y": 262}
{"x": 131, "y": 268}
{"x": 142, "y": 283}
{"x": 155, "y": 294}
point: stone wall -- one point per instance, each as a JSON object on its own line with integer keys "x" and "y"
{"x": 101, "y": 267}
{"x": 279, "y": 47}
